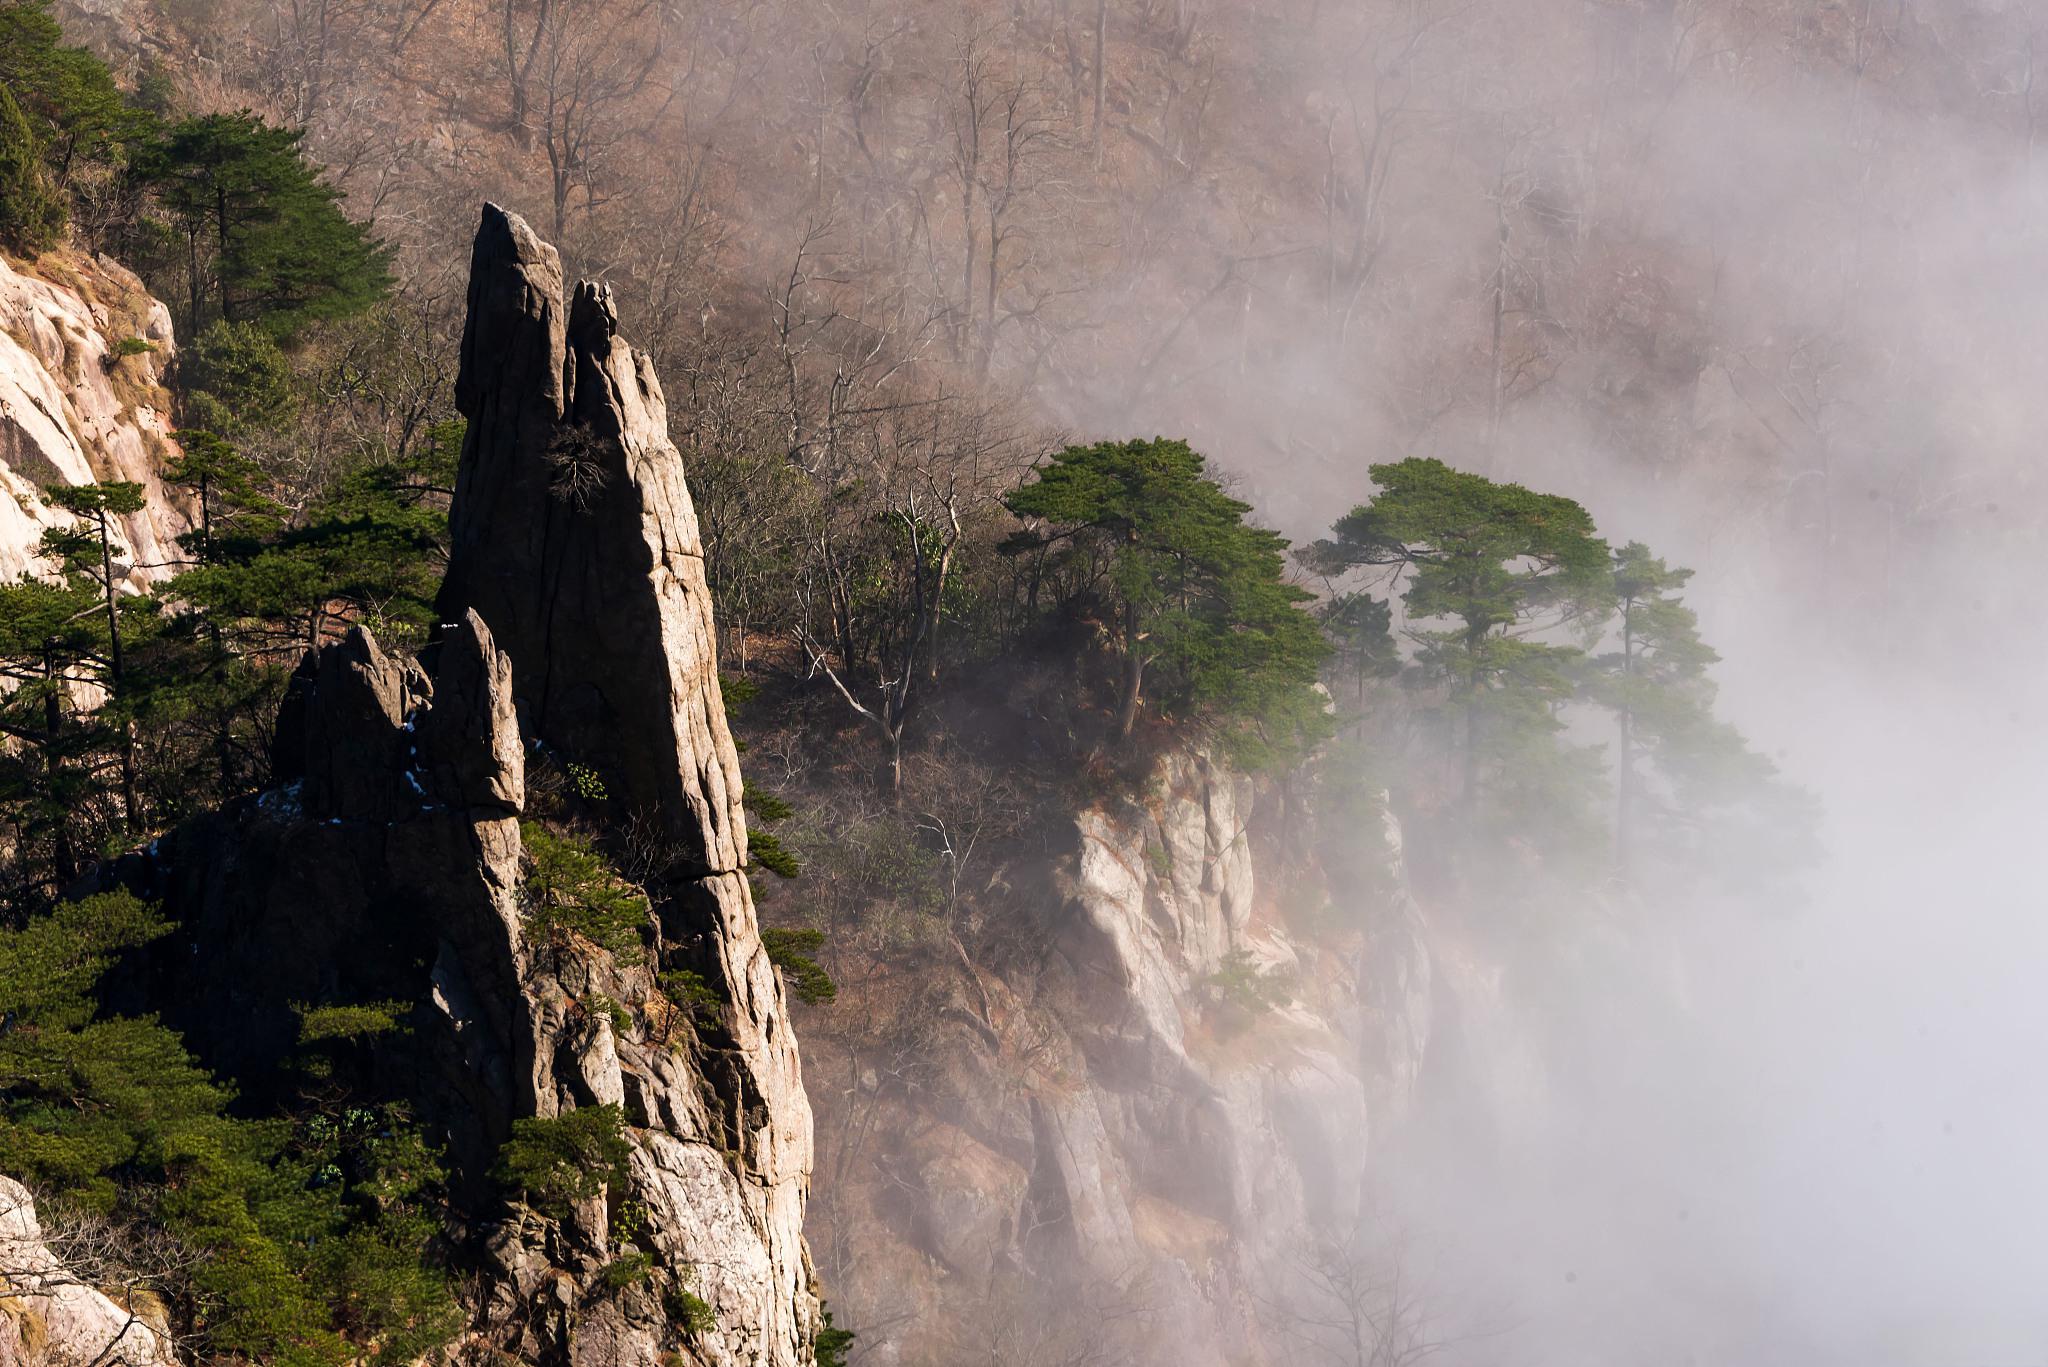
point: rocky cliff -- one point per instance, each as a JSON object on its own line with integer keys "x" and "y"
{"x": 51, "y": 1315}
{"x": 82, "y": 354}
{"x": 391, "y": 863}
{"x": 1114, "y": 1146}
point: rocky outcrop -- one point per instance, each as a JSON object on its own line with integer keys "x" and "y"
{"x": 387, "y": 865}
{"x": 575, "y": 538}
{"x": 574, "y": 535}
{"x": 1160, "y": 1108}
{"x": 50, "y": 1316}
{"x": 75, "y": 410}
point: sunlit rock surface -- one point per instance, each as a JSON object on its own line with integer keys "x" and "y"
{"x": 75, "y": 411}
{"x": 50, "y": 1316}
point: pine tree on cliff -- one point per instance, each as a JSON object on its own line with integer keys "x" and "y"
{"x": 1657, "y": 686}
{"x": 48, "y": 777}
{"x": 1199, "y": 612}
{"x": 1499, "y": 563}
{"x": 87, "y": 551}
{"x": 31, "y": 212}
{"x": 264, "y": 238}
{"x": 67, "y": 94}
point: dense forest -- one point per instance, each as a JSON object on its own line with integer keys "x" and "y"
{"x": 924, "y": 287}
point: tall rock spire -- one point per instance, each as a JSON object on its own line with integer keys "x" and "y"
{"x": 389, "y": 864}
{"x": 574, "y": 539}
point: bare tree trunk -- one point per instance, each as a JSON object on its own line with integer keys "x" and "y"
{"x": 1134, "y": 674}
{"x": 63, "y": 856}
{"x": 129, "y": 805}
{"x": 1498, "y": 361}
{"x": 1625, "y": 775}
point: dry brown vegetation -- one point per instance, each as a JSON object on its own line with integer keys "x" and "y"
{"x": 1658, "y": 238}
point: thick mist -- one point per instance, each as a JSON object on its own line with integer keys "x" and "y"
{"x": 1800, "y": 1126}
{"x": 1761, "y": 283}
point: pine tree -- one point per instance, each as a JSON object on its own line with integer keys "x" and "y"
{"x": 67, "y": 95}
{"x": 1501, "y": 563}
{"x": 228, "y": 486}
{"x": 266, "y": 240}
{"x": 81, "y": 1096}
{"x": 306, "y": 1227}
{"x": 233, "y": 380}
{"x": 1199, "y": 610}
{"x": 1658, "y": 688}
{"x": 1360, "y": 628}
{"x": 49, "y": 648}
{"x": 31, "y": 212}
{"x": 87, "y": 550}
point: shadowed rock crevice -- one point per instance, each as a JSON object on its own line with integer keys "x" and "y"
{"x": 574, "y": 537}
{"x": 387, "y": 866}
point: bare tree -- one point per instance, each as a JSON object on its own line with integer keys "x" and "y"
{"x": 1000, "y": 131}
{"x": 882, "y": 556}
{"x": 588, "y": 68}
{"x": 1349, "y": 1303}
{"x": 308, "y": 40}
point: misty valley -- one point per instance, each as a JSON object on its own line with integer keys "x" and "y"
{"x": 1041, "y": 683}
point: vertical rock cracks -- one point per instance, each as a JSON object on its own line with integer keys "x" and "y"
{"x": 386, "y": 864}
{"x": 574, "y": 538}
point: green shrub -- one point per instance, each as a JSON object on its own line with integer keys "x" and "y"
{"x": 598, "y": 1004}
{"x": 626, "y": 1270}
{"x": 570, "y": 887}
{"x": 1241, "y": 983}
{"x": 832, "y": 1344}
{"x": 790, "y": 951}
{"x": 364, "y": 1020}
{"x": 556, "y": 1161}
{"x": 589, "y": 785}
{"x": 691, "y": 1312}
{"x": 629, "y": 1220}
{"x": 687, "y": 988}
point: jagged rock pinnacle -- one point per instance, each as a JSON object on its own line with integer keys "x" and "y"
{"x": 574, "y": 538}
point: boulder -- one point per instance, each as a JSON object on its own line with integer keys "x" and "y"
{"x": 51, "y": 1317}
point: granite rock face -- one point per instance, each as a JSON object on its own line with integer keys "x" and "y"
{"x": 389, "y": 861}
{"x": 50, "y": 1316}
{"x": 1137, "y": 1125}
{"x": 574, "y": 537}
{"x": 73, "y": 410}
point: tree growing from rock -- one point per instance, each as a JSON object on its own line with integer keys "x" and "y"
{"x": 1499, "y": 564}
{"x": 1191, "y": 596}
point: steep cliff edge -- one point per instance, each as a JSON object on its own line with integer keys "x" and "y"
{"x": 1119, "y": 1143}
{"x": 77, "y": 406}
{"x": 391, "y": 864}
{"x": 574, "y": 535}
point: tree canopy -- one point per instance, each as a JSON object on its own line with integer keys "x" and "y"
{"x": 1194, "y": 597}
{"x": 1499, "y": 562}
{"x": 266, "y": 237}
